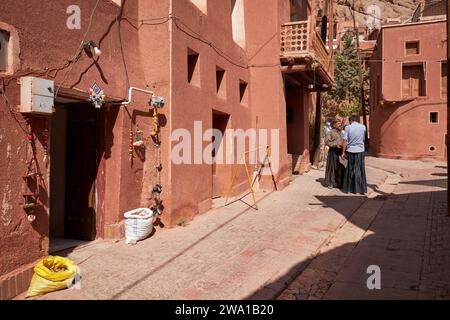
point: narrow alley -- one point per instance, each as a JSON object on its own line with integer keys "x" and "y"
{"x": 305, "y": 242}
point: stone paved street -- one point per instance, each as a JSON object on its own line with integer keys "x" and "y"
{"x": 305, "y": 242}
{"x": 407, "y": 235}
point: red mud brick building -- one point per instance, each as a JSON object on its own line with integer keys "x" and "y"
{"x": 408, "y": 85}
{"x": 237, "y": 64}
{"x": 307, "y": 66}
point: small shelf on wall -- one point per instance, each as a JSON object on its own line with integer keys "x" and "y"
{"x": 29, "y": 206}
{"x": 31, "y": 194}
{"x": 30, "y": 200}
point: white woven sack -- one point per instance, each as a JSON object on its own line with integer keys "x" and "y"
{"x": 138, "y": 224}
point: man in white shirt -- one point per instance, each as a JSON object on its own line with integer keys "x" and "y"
{"x": 354, "y": 151}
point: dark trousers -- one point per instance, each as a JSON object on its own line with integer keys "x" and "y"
{"x": 355, "y": 173}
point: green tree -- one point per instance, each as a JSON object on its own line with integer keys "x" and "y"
{"x": 344, "y": 98}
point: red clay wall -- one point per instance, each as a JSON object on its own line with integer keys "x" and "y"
{"x": 153, "y": 58}
{"x": 154, "y": 53}
{"x": 196, "y": 101}
{"x": 401, "y": 128}
{"x": 267, "y": 89}
{"x": 191, "y": 103}
{"x": 46, "y": 44}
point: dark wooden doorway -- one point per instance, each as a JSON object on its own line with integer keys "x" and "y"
{"x": 81, "y": 172}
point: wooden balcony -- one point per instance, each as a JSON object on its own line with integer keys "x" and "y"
{"x": 304, "y": 57}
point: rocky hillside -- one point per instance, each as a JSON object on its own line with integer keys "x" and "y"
{"x": 388, "y": 9}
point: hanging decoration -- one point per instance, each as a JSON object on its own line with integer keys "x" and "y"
{"x": 97, "y": 96}
{"x": 31, "y": 176}
{"x": 156, "y": 103}
{"x": 131, "y": 149}
{"x": 138, "y": 138}
{"x": 45, "y": 146}
{"x": 30, "y": 138}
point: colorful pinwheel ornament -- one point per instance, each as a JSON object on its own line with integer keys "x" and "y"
{"x": 97, "y": 96}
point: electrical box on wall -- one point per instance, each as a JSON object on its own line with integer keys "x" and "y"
{"x": 36, "y": 95}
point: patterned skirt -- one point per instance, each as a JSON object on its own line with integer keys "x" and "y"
{"x": 355, "y": 173}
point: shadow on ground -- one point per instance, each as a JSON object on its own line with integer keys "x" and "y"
{"x": 409, "y": 239}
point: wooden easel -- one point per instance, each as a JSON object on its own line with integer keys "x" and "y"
{"x": 249, "y": 179}
{"x": 266, "y": 159}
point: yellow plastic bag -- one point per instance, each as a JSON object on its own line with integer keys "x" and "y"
{"x": 51, "y": 274}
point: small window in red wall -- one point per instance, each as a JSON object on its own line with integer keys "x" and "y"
{"x": 243, "y": 94}
{"x": 434, "y": 117}
{"x": 412, "y": 47}
{"x": 193, "y": 72}
{"x": 220, "y": 82}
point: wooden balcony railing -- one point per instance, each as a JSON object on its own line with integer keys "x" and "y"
{"x": 299, "y": 39}
{"x": 321, "y": 52}
{"x": 294, "y": 38}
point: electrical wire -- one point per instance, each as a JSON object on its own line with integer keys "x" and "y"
{"x": 207, "y": 42}
{"x": 183, "y": 27}
{"x": 11, "y": 111}
{"x": 144, "y": 22}
{"x": 123, "y": 56}
{"x": 79, "y": 51}
{"x": 68, "y": 64}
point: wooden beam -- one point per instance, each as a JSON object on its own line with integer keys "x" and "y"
{"x": 293, "y": 68}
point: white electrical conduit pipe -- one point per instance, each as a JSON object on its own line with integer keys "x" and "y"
{"x": 130, "y": 94}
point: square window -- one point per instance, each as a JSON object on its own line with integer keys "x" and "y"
{"x": 412, "y": 47}
{"x": 220, "y": 82}
{"x": 193, "y": 72}
{"x": 243, "y": 94}
{"x": 434, "y": 117}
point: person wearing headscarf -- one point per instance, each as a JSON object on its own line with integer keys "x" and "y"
{"x": 334, "y": 169}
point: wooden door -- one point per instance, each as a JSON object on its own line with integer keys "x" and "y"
{"x": 81, "y": 171}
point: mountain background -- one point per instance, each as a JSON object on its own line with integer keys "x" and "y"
{"x": 388, "y": 9}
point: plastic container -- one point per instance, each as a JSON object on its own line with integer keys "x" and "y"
{"x": 138, "y": 224}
